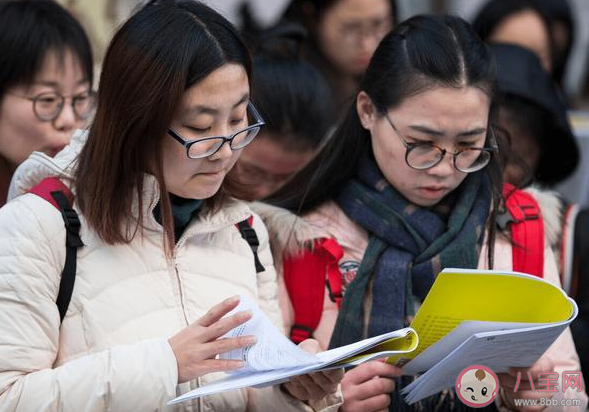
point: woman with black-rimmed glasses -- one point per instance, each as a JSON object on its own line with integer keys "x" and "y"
{"x": 409, "y": 184}
{"x": 167, "y": 247}
{"x": 45, "y": 81}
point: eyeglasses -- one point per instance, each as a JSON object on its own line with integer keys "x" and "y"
{"x": 422, "y": 156}
{"x": 48, "y": 106}
{"x": 208, "y": 146}
{"x": 352, "y": 34}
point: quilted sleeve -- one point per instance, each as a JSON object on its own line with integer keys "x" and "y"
{"x": 141, "y": 376}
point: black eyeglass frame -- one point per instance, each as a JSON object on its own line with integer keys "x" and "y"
{"x": 258, "y": 124}
{"x": 411, "y": 146}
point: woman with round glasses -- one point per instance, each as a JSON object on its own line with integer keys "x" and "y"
{"x": 45, "y": 81}
{"x": 343, "y": 37}
{"x": 161, "y": 244}
{"x": 407, "y": 185}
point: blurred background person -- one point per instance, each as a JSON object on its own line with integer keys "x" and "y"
{"x": 45, "y": 81}
{"x": 520, "y": 22}
{"x": 295, "y": 101}
{"x": 343, "y": 36}
{"x": 533, "y": 119}
{"x": 542, "y": 150}
{"x": 562, "y": 31}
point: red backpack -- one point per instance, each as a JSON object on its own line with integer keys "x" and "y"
{"x": 59, "y": 195}
{"x": 308, "y": 274}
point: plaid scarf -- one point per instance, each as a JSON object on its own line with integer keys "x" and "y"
{"x": 408, "y": 245}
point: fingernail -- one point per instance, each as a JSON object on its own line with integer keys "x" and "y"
{"x": 247, "y": 314}
{"x": 251, "y": 340}
{"x": 233, "y": 299}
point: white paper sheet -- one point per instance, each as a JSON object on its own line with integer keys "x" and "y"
{"x": 266, "y": 378}
{"x": 272, "y": 350}
{"x": 498, "y": 350}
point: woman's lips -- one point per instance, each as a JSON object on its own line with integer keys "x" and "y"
{"x": 213, "y": 174}
{"x": 433, "y": 191}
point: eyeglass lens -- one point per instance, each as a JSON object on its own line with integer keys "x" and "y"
{"x": 48, "y": 106}
{"x": 207, "y": 147}
{"x": 426, "y": 156}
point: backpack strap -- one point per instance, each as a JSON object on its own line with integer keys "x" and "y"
{"x": 524, "y": 218}
{"x": 306, "y": 276}
{"x": 249, "y": 235}
{"x": 58, "y": 194}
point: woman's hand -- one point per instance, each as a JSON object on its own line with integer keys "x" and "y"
{"x": 314, "y": 386}
{"x": 196, "y": 346}
{"x": 507, "y": 382}
{"x": 367, "y": 387}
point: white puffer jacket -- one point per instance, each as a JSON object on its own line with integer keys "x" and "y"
{"x": 111, "y": 352}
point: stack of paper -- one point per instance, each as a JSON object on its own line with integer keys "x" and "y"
{"x": 496, "y": 319}
{"x": 469, "y": 317}
{"x": 392, "y": 343}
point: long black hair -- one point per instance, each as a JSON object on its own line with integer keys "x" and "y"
{"x": 31, "y": 29}
{"x": 422, "y": 53}
{"x": 559, "y": 12}
{"x": 291, "y": 94}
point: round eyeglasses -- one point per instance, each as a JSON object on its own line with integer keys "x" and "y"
{"x": 208, "y": 146}
{"x": 354, "y": 33}
{"x": 48, "y": 106}
{"x": 422, "y": 156}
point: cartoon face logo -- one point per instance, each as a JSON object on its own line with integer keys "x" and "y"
{"x": 348, "y": 269}
{"x": 477, "y": 386}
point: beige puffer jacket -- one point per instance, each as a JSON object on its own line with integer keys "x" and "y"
{"x": 111, "y": 352}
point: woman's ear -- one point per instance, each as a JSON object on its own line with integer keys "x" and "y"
{"x": 366, "y": 110}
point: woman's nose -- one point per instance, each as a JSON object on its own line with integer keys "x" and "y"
{"x": 445, "y": 167}
{"x": 224, "y": 152}
{"x": 66, "y": 120}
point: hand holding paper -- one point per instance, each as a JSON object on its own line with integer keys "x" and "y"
{"x": 273, "y": 350}
{"x": 367, "y": 387}
{"x": 508, "y": 381}
{"x": 197, "y": 345}
{"x": 469, "y": 317}
{"x": 313, "y": 386}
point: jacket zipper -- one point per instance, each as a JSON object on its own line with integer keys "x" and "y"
{"x": 199, "y": 401}
{"x": 195, "y": 404}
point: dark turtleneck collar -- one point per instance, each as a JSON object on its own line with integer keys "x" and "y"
{"x": 183, "y": 210}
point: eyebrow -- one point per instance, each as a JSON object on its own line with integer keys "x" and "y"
{"x": 200, "y": 109}
{"x": 437, "y": 133}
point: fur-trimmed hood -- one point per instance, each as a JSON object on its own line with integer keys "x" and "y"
{"x": 289, "y": 233}
{"x": 551, "y": 207}
{"x": 38, "y": 166}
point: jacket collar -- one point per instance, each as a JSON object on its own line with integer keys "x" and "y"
{"x": 232, "y": 211}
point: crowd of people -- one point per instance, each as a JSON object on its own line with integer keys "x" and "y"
{"x": 212, "y": 162}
